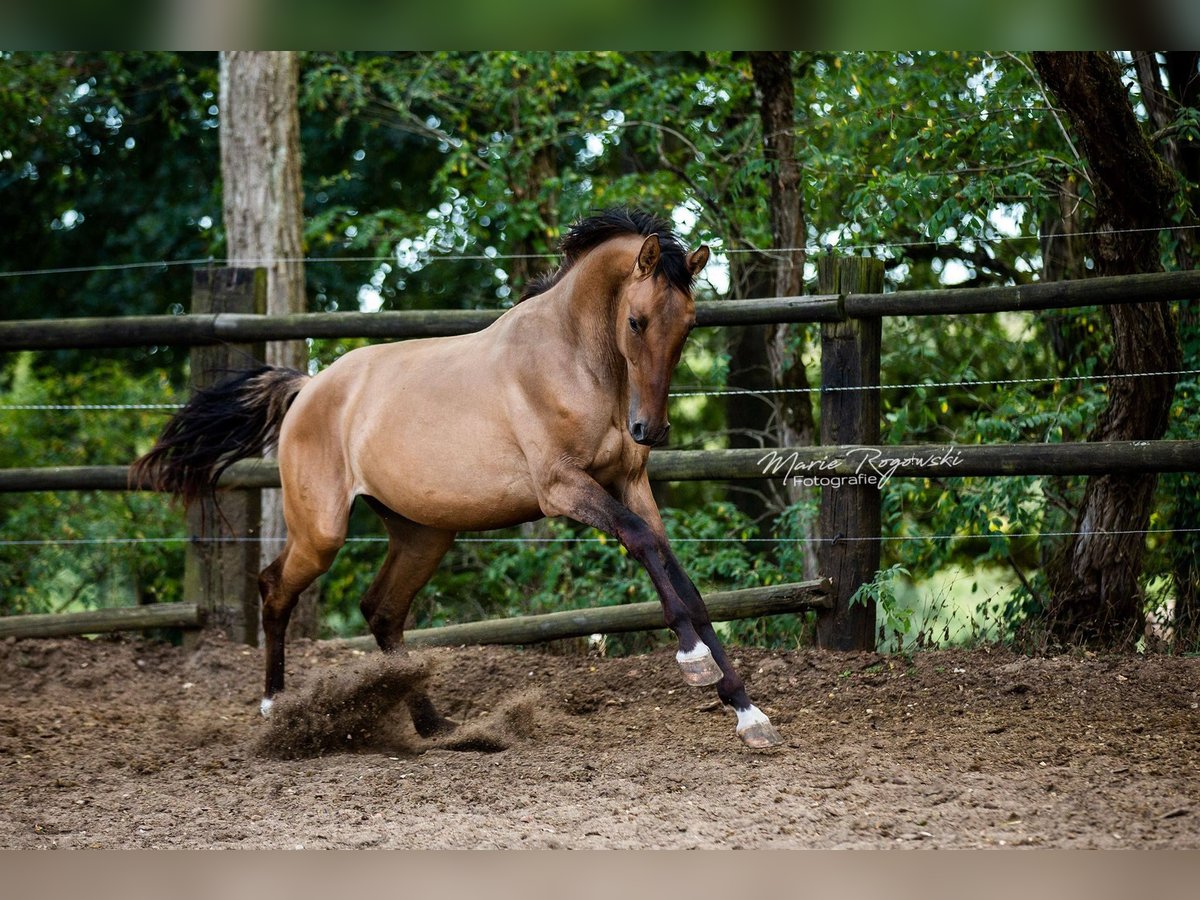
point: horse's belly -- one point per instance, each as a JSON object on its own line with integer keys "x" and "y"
{"x": 454, "y": 488}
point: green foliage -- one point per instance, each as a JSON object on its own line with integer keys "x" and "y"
{"x": 499, "y": 168}
{"x": 106, "y": 158}
{"x": 61, "y": 575}
{"x": 932, "y": 147}
{"x": 893, "y": 618}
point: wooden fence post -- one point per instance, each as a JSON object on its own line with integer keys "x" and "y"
{"x": 850, "y": 351}
{"x": 221, "y": 576}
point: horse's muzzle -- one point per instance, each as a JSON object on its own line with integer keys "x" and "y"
{"x": 647, "y": 438}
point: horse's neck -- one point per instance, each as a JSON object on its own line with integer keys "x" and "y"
{"x": 589, "y": 293}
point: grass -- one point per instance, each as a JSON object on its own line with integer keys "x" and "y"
{"x": 953, "y": 607}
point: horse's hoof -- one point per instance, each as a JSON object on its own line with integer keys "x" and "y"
{"x": 756, "y": 730}
{"x": 426, "y": 719}
{"x": 265, "y": 706}
{"x": 441, "y": 727}
{"x": 760, "y": 737}
{"x": 698, "y": 667}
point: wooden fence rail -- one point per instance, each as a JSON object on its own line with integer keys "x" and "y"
{"x": 207, "y": 329}
{"x": 102, "y": 621}
{"x": 723, "y": 606}
{"x": 194, "y": 330}
{"x": 901, "y": 461}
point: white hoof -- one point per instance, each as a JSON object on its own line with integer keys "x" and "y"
{"x": 265, "y": 706}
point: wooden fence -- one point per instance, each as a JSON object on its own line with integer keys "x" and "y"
{"x": 226, "y": 326}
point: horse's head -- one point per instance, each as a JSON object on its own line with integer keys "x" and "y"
{"x": 654, "y": 318}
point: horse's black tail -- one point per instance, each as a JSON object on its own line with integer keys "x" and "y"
{"x": 218, "y": 426}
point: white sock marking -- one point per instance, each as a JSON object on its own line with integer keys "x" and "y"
{"x": 265, "y": 706}
{"x": 747, "y": 718}
{"x": 700, "y": 651}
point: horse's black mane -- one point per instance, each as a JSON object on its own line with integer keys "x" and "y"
{"x": 598, "y": 228}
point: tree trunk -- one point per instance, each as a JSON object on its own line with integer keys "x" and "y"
{"x": 263, "y": 208}
{"x": 1094, "y": 580}
{"x": 794, "y": 427}
{"x": 749, "y": 419}
{"x": 1062, "y": 260}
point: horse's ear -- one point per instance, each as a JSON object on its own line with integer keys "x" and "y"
{"x": 648, "y": 256}
{"x": 698, "y": 260}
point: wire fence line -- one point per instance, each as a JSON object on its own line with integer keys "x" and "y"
{"x": 477, "y": 257}
{"x": 717, "y": 392}
{"x": 993, "y": 535}
{"x": 86, "y": 407}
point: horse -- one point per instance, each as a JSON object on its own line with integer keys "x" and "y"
{"x": 552, "y": 410}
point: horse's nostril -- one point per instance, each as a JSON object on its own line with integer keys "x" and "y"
{"x": 638, "y": 431}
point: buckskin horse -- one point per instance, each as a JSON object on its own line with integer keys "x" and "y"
{"x": 550, "y": 411}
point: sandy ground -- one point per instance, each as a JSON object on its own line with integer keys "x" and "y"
{"x": 124, "y": 743}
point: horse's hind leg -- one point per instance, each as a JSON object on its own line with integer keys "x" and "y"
{"x": 308, "y": 553}
{"x": 414, "y": 552}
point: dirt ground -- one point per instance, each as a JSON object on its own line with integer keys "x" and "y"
{"x": 124, "y": 743}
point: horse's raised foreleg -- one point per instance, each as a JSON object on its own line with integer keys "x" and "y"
{"x": 700, "y": 656}
{"x": 753, "y": 726}
{"x": 414, "y": 552}
{"x": 578, "y": 495}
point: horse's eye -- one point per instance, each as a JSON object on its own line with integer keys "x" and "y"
{"x": 633, "y": 325}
